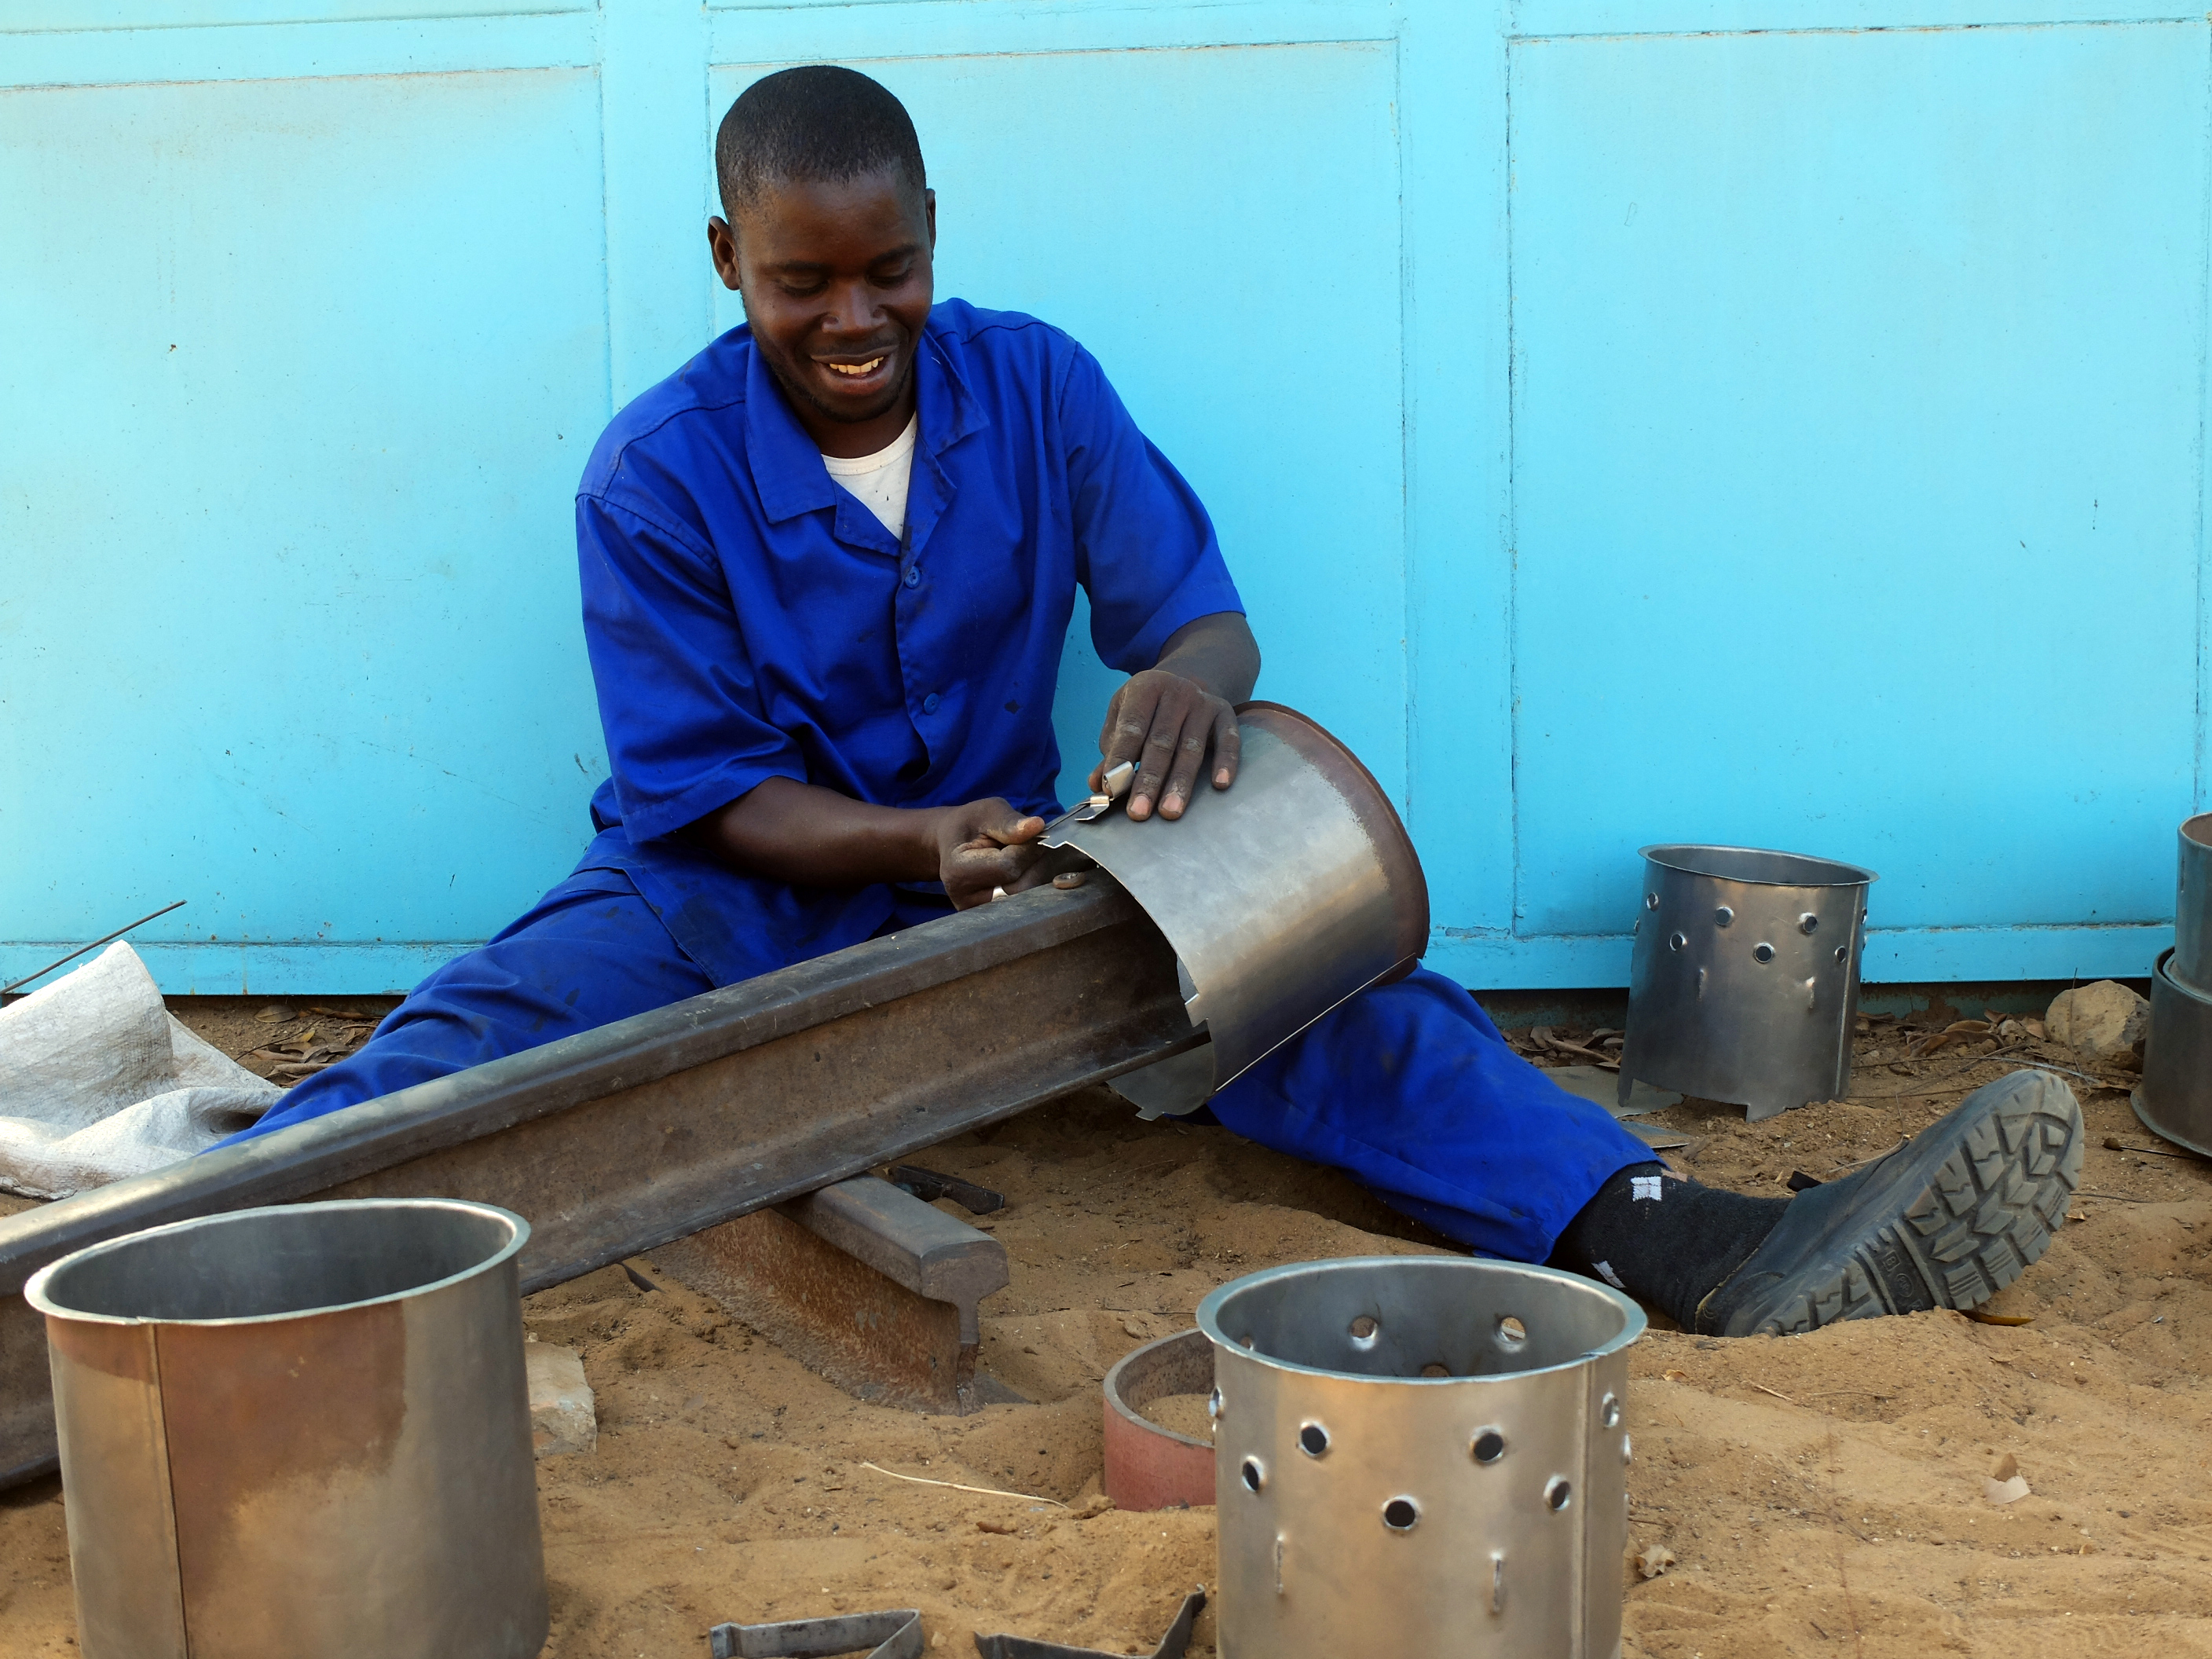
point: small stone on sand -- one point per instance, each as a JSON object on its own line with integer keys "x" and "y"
{"x": 562, "y": 1417}
{"x": 2104, "y": 1021}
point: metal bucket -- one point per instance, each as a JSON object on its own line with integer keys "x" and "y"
{"x": 1744, "y": 986}
{"x": 1420, "y": 1454}
{"x": 297, "y": 1431}
{"x": 2192, "y": 906}
{"x": 1282, "y": 897}
{"x": 2175, "y": 1098}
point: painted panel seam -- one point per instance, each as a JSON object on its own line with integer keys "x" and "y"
{"x": 1174, "y": 49}
{"x": 1917, "y": 931}
{"x": 1512, "y": 521}
{"x": 254, "y": 53}
{"x": 2204, "y": 394}
{"x": 1409, "y": 649}
{"x": 2022, "y": 26}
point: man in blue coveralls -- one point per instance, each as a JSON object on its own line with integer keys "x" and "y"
{"x": 827, "y": 569}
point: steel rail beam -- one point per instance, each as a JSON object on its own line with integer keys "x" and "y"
{"x": 620, "y": 1139}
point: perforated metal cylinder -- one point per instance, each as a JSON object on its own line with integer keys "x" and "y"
{"x": 1420, "y": 1454}
{"x": 1744, "y": 983}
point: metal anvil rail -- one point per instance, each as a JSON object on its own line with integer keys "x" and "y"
{"x": 621, "y": 1140}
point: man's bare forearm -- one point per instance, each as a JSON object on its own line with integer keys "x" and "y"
{"x": 1218, "y": 652}
{"x": 815, "y": 837}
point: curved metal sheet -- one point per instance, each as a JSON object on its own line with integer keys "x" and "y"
{"x": 1282, "y": 897}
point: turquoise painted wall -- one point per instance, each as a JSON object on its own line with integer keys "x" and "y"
{"x": 1777, "y": 420}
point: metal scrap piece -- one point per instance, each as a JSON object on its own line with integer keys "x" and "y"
{"x": 1021, "y": 1647}
{"x": 928, "y": 1186}
{"x": 897, "y": 1634}
{"x": 863, "y": 1283}
{"x": 920, "y": 1248}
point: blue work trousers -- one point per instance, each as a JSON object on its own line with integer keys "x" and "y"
{"x": 1407, "y": 1086}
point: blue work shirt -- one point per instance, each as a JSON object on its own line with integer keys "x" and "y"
{"x": 749, "y": 618}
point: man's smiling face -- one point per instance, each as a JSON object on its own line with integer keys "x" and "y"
{"x": 837, "y": 283}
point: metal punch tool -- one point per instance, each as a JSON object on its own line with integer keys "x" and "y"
{"x": 1114, "y": 783}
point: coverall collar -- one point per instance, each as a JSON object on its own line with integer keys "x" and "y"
{"x": 787, "y": 468}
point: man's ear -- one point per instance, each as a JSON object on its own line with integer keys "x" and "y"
{"x": 929, "y": 212}
{"x": 722, "y": 247}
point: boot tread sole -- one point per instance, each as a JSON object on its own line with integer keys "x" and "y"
{"x": 1984, "y": 1214}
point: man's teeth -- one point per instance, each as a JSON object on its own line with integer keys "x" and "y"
{"x": 856, "y": 370}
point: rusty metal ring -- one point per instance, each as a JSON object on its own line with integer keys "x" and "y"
{"x": 1147, "y": 1466}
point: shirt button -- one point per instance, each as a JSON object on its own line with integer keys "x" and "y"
{"x": 929, "y": 703}
{"x": 913, "y": 575}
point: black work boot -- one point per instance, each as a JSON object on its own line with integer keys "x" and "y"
{"x": 1946, "y": 1220}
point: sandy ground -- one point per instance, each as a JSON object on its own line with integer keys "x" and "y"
{"x": 1818, "y": 1495}
{"x": 283, "y": 1041}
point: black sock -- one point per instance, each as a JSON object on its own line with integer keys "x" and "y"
{"x": 1667, "y": 1242}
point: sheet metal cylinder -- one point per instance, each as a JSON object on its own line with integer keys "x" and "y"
{"x": 1282, "y": 897}
{"x": 1149, "y": 1467}
{"x": 2174, "y": 1099}
{"x": 302, "y": 1429}
{"x": 2192, "y": 906}
{"x": 1420, "y": 1454}
{"x": 1744, "y": 984}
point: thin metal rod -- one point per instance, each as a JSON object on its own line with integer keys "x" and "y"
{"x": 94, "y": 945}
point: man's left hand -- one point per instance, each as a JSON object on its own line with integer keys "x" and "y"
{"x": 1165, "y": 724}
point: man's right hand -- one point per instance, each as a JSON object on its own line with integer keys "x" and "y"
{"x": 984, "y": 845}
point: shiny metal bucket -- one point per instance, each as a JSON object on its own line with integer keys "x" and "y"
{"x": 2174, "y": 1099}
{"x": 1420, "y": 1454}
{"x": 299, "y": 1430}
{"x": 1744, "y": 985}
{"x": 1282, "y": 897}
{"x": 2192, "y": 906}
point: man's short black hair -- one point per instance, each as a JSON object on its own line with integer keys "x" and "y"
{"x": 820, "y": 122}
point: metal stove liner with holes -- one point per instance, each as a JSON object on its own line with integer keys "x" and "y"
{"x": 1421, "y": 1455}
{"x": 1744, "y": 985}
{"x": 302, "y": 1429}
